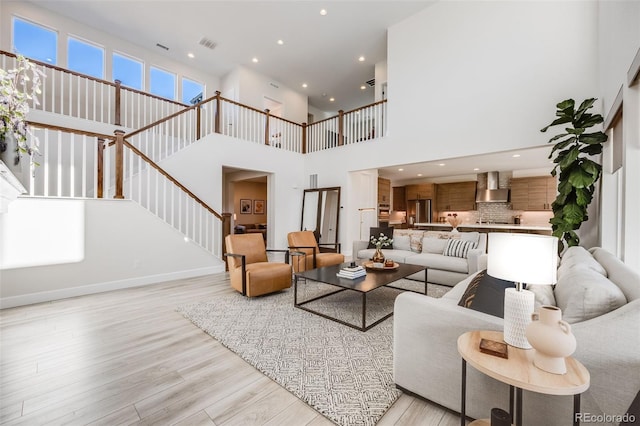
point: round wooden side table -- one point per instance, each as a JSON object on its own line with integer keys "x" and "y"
{"x": 519, "y": 373}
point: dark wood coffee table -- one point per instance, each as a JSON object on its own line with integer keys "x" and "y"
{"x": 364, "y": 285}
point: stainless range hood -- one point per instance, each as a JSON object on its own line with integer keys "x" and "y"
{"x": 492, "y": 194}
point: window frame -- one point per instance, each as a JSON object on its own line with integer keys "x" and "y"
{"x": 55, "y": 31}
{"x": 133, "y": 59}
{"x": 92, "y": 44}
{"x": 175, "y": 82}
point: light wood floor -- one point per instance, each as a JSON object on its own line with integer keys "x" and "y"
{"x": 126, "y": 357}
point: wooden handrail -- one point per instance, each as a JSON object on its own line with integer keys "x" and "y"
{"x": 256, "y": 110}
{"x": 69, "y": 130}
{"x": 167, "y": 118}
{"x": 57, "y": 68}
{"x": 171, "y": 178}
{"x": 347, "y": 112}
{"x": 88, "y": 77}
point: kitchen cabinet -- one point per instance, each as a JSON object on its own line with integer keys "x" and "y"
{"x": 384, "y": 191}
{"x": 456, "y": 196}
{"x": 533, "y": 193}
{"x": 399, "y": 199}
{"x": 423, "y": 191}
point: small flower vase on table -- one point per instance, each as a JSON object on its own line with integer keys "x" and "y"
{"x": 378, "y": 256}
{"x": 379, "y": 242}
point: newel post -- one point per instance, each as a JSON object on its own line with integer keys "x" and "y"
{"x": 266, "y": 126}
{"x": 119, "y": 164}
{"x": 117, "y": 103}
{"x": 340, "y": 128}
{"x": 100, "y": 164}
{"x": 217, "y": 116}
{"x": 226, "y": 230}
{"x": 198, "y": 121}
{"x": 304, "y": 138}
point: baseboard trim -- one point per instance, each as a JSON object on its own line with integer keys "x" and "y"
{"x": 50, "y": 296}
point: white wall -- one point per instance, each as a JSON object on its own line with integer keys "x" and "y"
{"x": 251, "y": 88}
{"x": 117, "y": 244}
{"x": 470, "y": 77}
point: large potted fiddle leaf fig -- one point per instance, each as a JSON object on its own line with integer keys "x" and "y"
{"x": 577, "y": 171}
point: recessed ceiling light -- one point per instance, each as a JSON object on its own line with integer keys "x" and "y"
{"x": 400, "y": 170}
{"x": 323, "y": 12}
{"x": 441, "y": 164}
{"x": 304, "y": 85}
{"x": 419, "y": 174}
{"x": 255, "y": 60}
{"x": 516, "y": 155}
{"x": 332, "y": 99}
{"x": 363, "y": 87}
{"x": 191, "y": 55}
{"x": 280, "y": 42}
{"x": 476, "y": 169}
{"x": 361, "y": 58}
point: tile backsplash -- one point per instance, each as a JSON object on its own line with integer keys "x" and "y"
{"x": 502, "y": 213}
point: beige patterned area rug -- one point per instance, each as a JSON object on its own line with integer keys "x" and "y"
{"x": 344, "y": 374}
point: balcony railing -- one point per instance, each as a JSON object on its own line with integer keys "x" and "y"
{"x": 80, "y": 96}
{"x": 80, "y": 164}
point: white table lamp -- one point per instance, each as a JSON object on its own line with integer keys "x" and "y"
{"x": 523, "y": 258}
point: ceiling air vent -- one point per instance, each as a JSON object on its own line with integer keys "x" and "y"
{"x": 162, "y": 46}
{"x": 372, "y": 82}
{"x": 209, "y": 44}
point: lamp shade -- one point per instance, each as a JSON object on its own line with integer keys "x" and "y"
{"x": 523, "y": 258}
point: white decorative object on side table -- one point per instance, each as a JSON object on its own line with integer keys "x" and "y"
{"x": 523, "y": 258}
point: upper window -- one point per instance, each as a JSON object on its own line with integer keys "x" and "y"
{"x": 35, "y": 41}
{"x": 128, "y": 71}
{"x": 192, "y": 91}
{"x": 85, "y": 58}
{"x": 163, "y": 83}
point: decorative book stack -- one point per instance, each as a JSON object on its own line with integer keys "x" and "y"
{"x": 352, "y": 272}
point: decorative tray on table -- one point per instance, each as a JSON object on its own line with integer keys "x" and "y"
{"x": 369, "y": 265}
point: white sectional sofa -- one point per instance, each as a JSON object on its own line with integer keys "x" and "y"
{"x": 427, "y": 248}
{"x": 597, "y": 293}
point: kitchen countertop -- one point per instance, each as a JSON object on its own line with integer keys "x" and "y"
{"x": 488, "y": 225}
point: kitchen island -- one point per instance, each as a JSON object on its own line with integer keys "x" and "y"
{"x": 487, "y": 227}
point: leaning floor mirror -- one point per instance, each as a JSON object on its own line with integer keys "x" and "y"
{"x": 321, "y": 214}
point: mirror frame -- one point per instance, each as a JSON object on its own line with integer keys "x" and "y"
{"x": 319, "y": 209}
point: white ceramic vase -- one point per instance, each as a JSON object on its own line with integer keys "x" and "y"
{"x": 551, "y": 338}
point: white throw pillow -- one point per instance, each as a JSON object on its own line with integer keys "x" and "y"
{"x": 470, "y": 236}
{"x": 402, "y": 242}
{"x": 583, "y": 294}
{"x": 544, "y": 295}
{"x": 433, "y": 245}
{"x": 577, "y": 256}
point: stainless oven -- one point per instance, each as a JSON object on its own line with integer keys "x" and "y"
{"x": 383, "y": 215}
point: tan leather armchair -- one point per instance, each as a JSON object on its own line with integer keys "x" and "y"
{"x": 305, "y": 242}
{"x": 250, "y": 271}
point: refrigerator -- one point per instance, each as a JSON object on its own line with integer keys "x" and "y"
{"x": 419, "y": 211}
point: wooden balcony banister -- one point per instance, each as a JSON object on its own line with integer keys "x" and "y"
{"x": 171, "y": 178}
{"x": 70, "y": 130}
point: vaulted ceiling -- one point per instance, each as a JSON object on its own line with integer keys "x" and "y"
{"x": 321, "y": 50}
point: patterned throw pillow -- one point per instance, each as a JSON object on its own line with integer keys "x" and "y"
{"x": 486, "y": 294}
{"x": 458, "y": 248}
